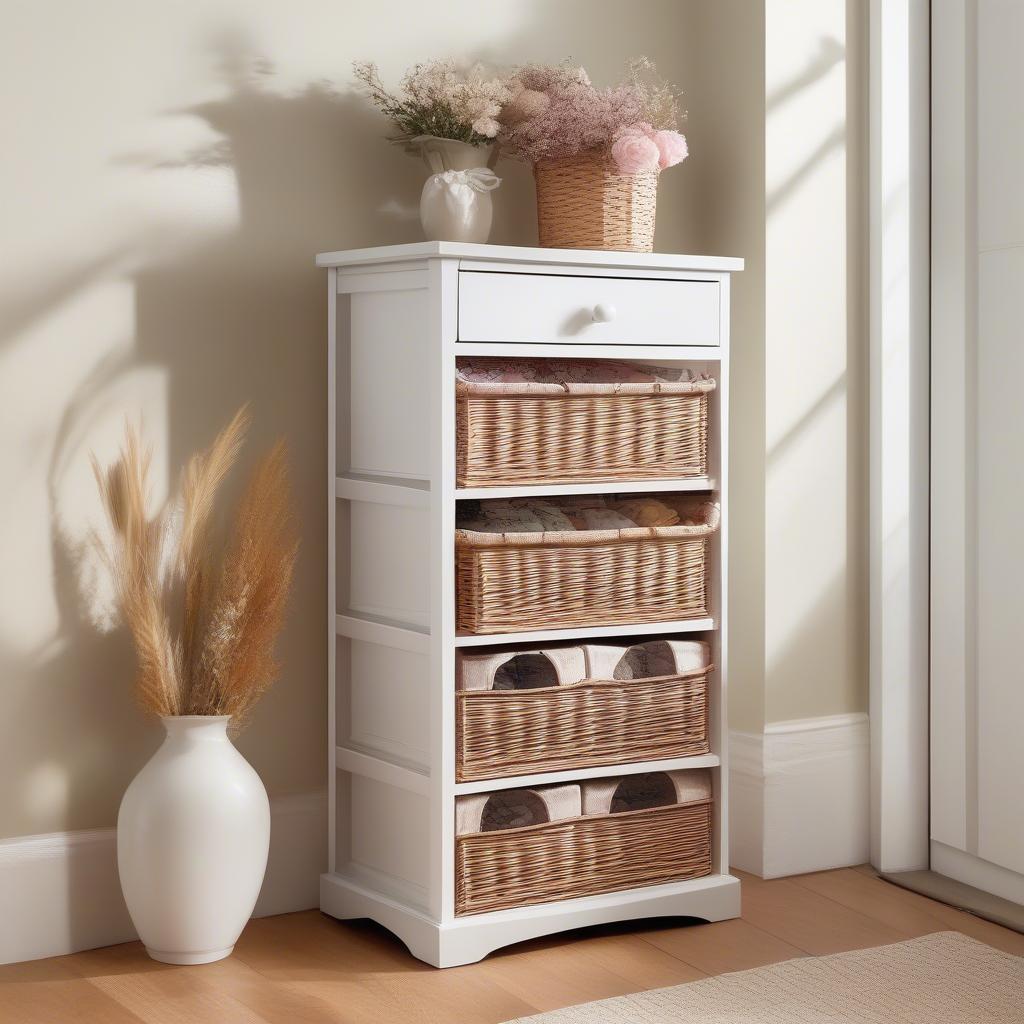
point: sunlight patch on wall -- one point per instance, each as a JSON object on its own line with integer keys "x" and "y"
{"x": 66, "y": 384}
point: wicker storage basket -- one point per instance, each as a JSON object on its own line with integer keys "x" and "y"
{"x": 585, "y": 204}
{"x": 598, "y": 721}
{"x": 525, "y": 581}
{"x": 529, "y": 433}
{"x": 582, "y": 856}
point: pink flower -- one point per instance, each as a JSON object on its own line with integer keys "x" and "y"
{"x": 634, "y": 153}
{"x": 672, "y": 148}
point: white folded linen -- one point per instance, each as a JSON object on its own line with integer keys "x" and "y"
{"x": 515, "y": 808}
{"x": 651, "y": 789}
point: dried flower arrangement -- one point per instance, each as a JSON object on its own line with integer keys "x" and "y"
{"x": 596, "y": 153}
{"x": 556, "y": 113}
{"x": 439, "y": 99}
{"x": 204, "y": 627}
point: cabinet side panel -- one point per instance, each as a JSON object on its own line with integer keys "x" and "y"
{"x": 333, "y": 301}
{"x": 389, "y": 575}
{"x": 389, "y": 397}
{"x": 443, "y": 319}
{"x": 388, "y": 703}
{"x": 389, "y": 828}
{"x": 720, "y": 719}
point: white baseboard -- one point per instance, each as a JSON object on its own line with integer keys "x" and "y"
{"x": 799, "y": 802}
{"x": 60, "y": 893}
{"x": 799, "y": 796}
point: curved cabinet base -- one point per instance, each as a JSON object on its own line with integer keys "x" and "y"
{"x": 466, "y": 940}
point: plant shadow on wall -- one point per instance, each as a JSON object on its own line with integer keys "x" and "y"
{"x": 237, "y": 317}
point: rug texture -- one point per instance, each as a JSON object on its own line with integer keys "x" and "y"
{"x": 945, "y": 978}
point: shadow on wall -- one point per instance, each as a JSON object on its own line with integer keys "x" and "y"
{"x": 239, "y": 318}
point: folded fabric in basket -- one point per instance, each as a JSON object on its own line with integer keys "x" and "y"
{"x": 648, "y": 660}
{"x": 690, "y": 508}
{"x": 551, "y": 516}
{"x": 483, "y": 370}
{"x": 519, "y": 670}
{"x": 646, "y": 511}
{"x": 523, "y": 515}
{"x": 587, "y": 512}
{"x": 515, "y": 808}
{"x": 599, "y": 518}
{"x": 645, "y": 790}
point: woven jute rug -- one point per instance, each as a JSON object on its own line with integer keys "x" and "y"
{"x": 945, "y": 978}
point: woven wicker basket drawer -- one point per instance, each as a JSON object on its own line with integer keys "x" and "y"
{"x": 595, "y": 715}
{"x": 546, "y": 308}
{"x": 516, "y": 582}
{"x": 581, "y": 856}
{"x": 523, "y": 438}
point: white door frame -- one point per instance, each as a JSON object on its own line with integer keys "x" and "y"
{"x": 953, "y": 266}
{"x": 971, "y": 836}
{"x": 899, "y": 258}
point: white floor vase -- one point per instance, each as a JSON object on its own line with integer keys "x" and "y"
{"x": 192, "y": 839}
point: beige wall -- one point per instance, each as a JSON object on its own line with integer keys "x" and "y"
{"x": 727, "y": 131}
{"x": 171, "y": 170}
{"x": 815, "y": 359}
{"x": 780, "y": 88}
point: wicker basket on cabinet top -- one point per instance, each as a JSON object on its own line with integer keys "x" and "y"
{"x": 511, "y": 582}
{"x": 642, "y": 703}
{"x": 533, "y": 433}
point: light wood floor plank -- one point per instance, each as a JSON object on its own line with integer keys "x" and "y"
{"x": 876, "y": 899}
{"x": 724, "y": 946}
{"x": 181, "y": 995}
{"x": 797, "y": 916}
{"x": 50, "y": 991}
{"x": 553, "y": 973}
{"x": 369, "y": 974}
{"x": 307, "y": 968}
{"x": 883, "y": 900}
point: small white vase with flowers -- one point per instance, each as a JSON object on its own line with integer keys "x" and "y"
{"x": 448, "y": 115}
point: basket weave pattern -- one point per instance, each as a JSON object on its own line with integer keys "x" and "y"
{"x": 581, "y": 857}
{"x": 512, "y": 582}
{"x": 595, "y": 722}
{"x": 522, "y": 439}
{"x": 585, "y": 204}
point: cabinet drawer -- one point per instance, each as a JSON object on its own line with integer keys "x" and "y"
{"x": 545, "y": 308}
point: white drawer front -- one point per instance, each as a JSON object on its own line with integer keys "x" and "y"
{"x": 546, "y": 308}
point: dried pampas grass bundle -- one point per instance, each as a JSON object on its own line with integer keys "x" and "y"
{"x": 204, "y": 616}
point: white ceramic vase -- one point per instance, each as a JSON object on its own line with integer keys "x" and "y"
{"x": 455, "y": 204}
{"x": 192, "y": 839}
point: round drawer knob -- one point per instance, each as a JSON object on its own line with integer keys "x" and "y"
{"x": 604, "y": 313}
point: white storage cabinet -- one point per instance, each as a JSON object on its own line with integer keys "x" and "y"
{"x": 399, "y": 316}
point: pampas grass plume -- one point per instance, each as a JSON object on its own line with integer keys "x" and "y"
{"x": 204, "y": 616}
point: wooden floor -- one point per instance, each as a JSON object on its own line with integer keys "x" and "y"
{"x": 309, "y": 969}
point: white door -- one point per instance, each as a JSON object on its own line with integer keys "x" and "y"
{"x": 977, "y": 446}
